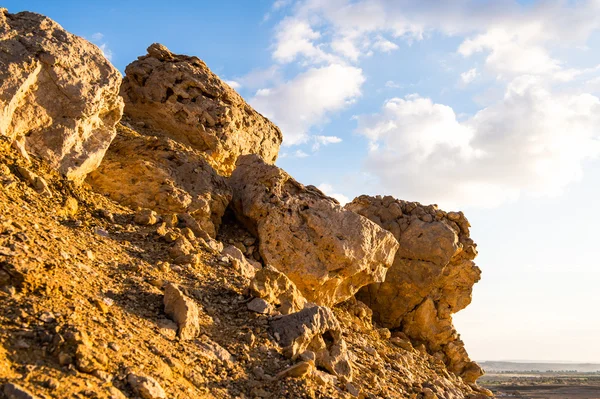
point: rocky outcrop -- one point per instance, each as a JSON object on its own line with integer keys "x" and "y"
{"x": 180, "y": 96}
{"x": 160, "y": 174}
{"x": 276, "y": 288}
{"x": 58, "y": 93}
{"x": 314, "y": 329}
{"x": 327, "y": 251}
{"x": 431, "y": 278}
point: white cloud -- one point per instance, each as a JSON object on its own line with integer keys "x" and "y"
{"x": 468, "y": 76}
{"x": 233, "y": 84}
{"x": 97, "y": 36}
{"x": 533, "y": 141}
{"x": 328, "y": 190}
{"x": 324, "y": 141}
{"x": 303, "y": 102}
{"x": 295, "y": 37}
{"x": 392, "y": 85}
{"x": 384, "y": 45}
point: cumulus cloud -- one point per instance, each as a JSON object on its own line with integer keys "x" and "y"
{"x": 329, "y": 190}
{"x": 532, "y": 142}
{"x": 303, "y": 102}
{"x": 233, "y": 84}
{"x": 319, "y": 141}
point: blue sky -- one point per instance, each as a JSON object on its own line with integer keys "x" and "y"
{"x": 486, "y": 106}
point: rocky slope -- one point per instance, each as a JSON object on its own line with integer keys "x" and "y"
{"x": 162, "y": 277}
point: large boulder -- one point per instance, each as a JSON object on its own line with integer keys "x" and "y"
{"x": 180, "y": 96}
{"x": 160, "y": 174}
{"x": 432, "y": 276}
{"x": 327, "y": 251}
{"x": 58, "y": 93}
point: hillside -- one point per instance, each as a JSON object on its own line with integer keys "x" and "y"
{"x": 149, "y": 247}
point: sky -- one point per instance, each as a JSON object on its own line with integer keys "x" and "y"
{"x": 491, "y": 107}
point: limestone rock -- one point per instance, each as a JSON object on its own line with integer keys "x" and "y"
{"x": 183, "y": 311}
{"x": 274, "y": 287}
{"x": 58, "y": 93}
{"x": 160, "y": 174}
{"x": 432, "y": 276}
{"x": 146, "y": 387}
{"x": 327, "y": 251}
{"x": 314, "y": 329}
{"x": 245, "y": 267}
{"x": 180, "y": 96}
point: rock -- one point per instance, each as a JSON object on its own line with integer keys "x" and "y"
{"x": 146, "y": 387}
{"x": 58, "y": 93}
{"x": 298, "y": 370}
{"x": 212, "y": 350}
{"x": 274, "y": 287}
{"x": 146, "y": 217}
{"x": 14, "y": 391}
{"x": 89, "y": 359}
{"x": 259, "y": 305}
{"x": 314, "y": 329}
{"x": 179, "y": 96}
{"x": 183, "y": 311}
{"x": 327, "y": 251}
{"x": 38, "y": 183}
{"x": 239, "y": 262}
{"x": 432, "y": 276}
{"x": 160, "y": 174}
{"x": 352, "y": 389}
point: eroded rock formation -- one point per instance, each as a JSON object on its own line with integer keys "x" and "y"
{"x": 160, "y": 174}
{"x": 431, "y": 278}
{"x": 314, "y": 329}
{"x": 180, "y": 96}
{"x": 327, "y": 251}
{"x": 58, "y": 93}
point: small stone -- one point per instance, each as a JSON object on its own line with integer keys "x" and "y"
{"x": 146, "y": 387}
{"x": 47, "y": 317}
{"x": 161, "y": 230}
{"x": 114, "y": 346}
{"x": 370, "y": 350}
{"x": 259, "y": 305}
{"x": 298, "y": 370}
{"x": 100, "y": 231}
{"x": 146, "y": 217}
{"x": 170, "y": 220}
{"x": 384, "y": 333}
{"x": 188, "y": 233}
{"x": 308, "y": 356}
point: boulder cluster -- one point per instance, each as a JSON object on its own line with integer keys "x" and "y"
{"x": 182, "y": 148}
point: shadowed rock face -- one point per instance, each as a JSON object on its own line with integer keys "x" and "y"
{"x": 180, "y": 96}
{"x": 161, "y": 174}
{"x": 58, "y": 93}
{"x": 327, "y": 251}
{"x": 432, "y": 276}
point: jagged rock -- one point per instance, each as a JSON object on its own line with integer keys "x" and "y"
{"x": 58, "y": 93}
{"x": 432, "y": 276}
{"x": 14, "y": 391}
{"x": 212, "y": 350}
{"x": 146, "y": 217}
{"x": 298, "y": 370}
{"x": 183, "y": 311}
{"x": 146, "y": 387}
{"x": 274, "y": 287}
{"x": 160, "y": 174}
{"x": 38, "y": 183}
{"x": 181, "y": 97}
{"x": 259, "y": 305}
{"x": 245, "y": 267}
{"x": 327, "y": 251}
{"x": 315, "y": 329}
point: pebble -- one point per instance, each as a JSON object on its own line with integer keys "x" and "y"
{"x": 146, "y": 387}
